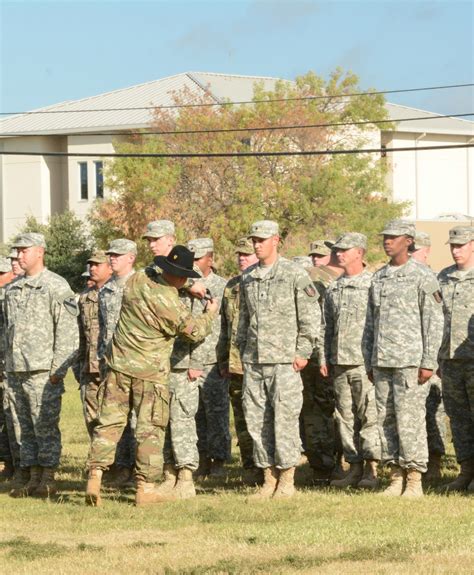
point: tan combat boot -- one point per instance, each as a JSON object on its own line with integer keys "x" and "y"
{"x": 217, "y": 468}
{"x": 20, "y": 479}
{"x": 396, "y": 482}
{"x": 413, "y": 487}
{"x": 184, "y": 488}
{"x": 270, "y": 480}
{"x": 93, "y": 487}
{"x": 148, "y": 494}
{"x": 47, "y": 486}
{"x": 434, "y": 468}
{"x": 351, "y": 479}
{"x": 369, "y": 478}
{"x": 170, "y": 474}
{"x": 466, "y": 475}
{"x": 286, "y": 484}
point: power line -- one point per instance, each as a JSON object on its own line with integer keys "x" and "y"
{"x": 255, "y": 129}
{"x": 240, "y": 154}
{"x": 241, "y": 102}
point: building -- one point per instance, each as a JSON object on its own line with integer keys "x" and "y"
{"x": 434, "y": 182}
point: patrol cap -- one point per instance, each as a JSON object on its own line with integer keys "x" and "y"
{"x": 98, "y": 257}
{"x": 264, "y": 229}
{"x": 461, "y": 235}
{"x": 158, "y": 229}
{"x": 122, "y": 246}
{"x": 13, "y": 254}
{"x": 87, "y": 272}
{"x": 28, "y": 240}
{"x": 399, "y": 228}
{"x": 5, "y": 265}
{"x": 319, "y": 248}
{"x": 200, "y": 247}
{"x": 244, "y": 246}
{"x": 351, "y": 240}
{"x": 422, "y": 240}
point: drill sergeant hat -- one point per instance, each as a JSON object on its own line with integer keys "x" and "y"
{"x": 158, "y": 229}
{"x": 200, "y": 247}
{"x": 461, "y": 235}
{"x": 179, "y": 262}
{"x": 122, "y": 246}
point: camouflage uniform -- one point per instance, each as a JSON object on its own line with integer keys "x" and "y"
{"x": 42, "y": 340}
{"x": 279, "y": 320}
{"x": 456, "y": 354}
{"x": 318, "y": 393}
{"x": 345, "y": 309}
{"x": 403, "y": 333}
{"x": 151, "y": 317}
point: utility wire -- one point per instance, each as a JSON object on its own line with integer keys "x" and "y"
{"x": 239, "y": 154}
{"x": 241, "y": 102}
{"x": 256, "y": 129}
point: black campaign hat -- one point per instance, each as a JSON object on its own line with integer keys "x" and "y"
{"x": 179, "y": 262}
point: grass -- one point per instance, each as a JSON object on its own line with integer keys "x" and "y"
{"x": 220, "y": 532}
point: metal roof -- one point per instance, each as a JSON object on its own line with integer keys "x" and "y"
{"x": 220, "y": 87}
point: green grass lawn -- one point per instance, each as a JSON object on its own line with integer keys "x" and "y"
{"x": 219, "y": 532}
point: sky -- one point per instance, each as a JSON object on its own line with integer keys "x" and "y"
{"x": 56, "y": 51}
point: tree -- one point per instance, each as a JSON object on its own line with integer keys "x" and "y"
{"x": 68, "y": 246}
{"x": 309, "y": 196}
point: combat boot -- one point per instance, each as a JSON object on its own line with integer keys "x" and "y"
{"x": 20, "y": 479}
{"x": 204, "y": 467}
{"x": 148, "y": 494}
{"x": 93, "y": 487}
{"x": 434, "y": 468}
{"x": 286, "y": 484}
{"x": 321, "y": 477}
{"x": 369, "y": 478}
{"x": 413, "y": 487}
{"x": 470, "y": 487}
{"x": 351, "y": 479}
{"x": 170, "y": 474}
{"x": 252, "y": 476}
{"x": 466, "y": 475}
{"x": 123, "y": 478}
{"x": 184, "y": 488}
{"x": 7, "y": 470}
{"x": 341, "y": 468}
{"x": 217, "y": 468}
{"x": 270, "y": 480}
{"x": 47, "y": 486}
{"x": 31, "y": 485}
{"x": 396, "y": 482}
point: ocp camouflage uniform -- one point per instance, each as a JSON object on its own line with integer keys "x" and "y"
{"x": 279, "y": 320}
{"x": 345, "y": 310}
{"x": 151, "y": 317}
{"x": 42, "y": 341}
{"x": 318, "y": 394}
{"x": 403, "y": 334}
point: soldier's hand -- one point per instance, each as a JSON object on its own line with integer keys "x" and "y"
{"x": 212, "y": 305}
{"x": 299, "y": 363}
{"x": 323, "y": 370}
{"x": 370, "y": 375}
{"x": 55, "y": 379}
{"x": 194, "y": 374}
{"x": 424, "y": 375}
{"x": 197, "y": 290}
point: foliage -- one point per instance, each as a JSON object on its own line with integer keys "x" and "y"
{"x": 309, "y": 196}
{"x": 68, "y": 246}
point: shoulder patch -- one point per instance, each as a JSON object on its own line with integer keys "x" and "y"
{"x": 310, "y": 291}
{"x": 71, "y": 305}
{"x": 438, "y": 296}
{"x": 430, "y": 287}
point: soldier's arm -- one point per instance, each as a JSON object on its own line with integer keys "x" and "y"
{"x": 223, "y": 343}
{"x": 431, "y": 312}
{"x": 308, "y": 316}
{"x": 66, "y": 334}
{"x": 368, "y": 333}
{"x": 327, "y": 331}
{"x": 244, "y": 321}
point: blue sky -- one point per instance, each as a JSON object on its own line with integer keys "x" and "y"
{"x": 55, "y": 51}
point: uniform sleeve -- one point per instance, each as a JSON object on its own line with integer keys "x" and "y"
{"x": 308, "y": 316}
{"x": 66, "y": 333}
{"x": 368, "y": 333}
{"x": 327, "y": 330}
{"x": 244, "y": 321}
{"x": 432, "y": 321}
{"x": 223, "y": 343}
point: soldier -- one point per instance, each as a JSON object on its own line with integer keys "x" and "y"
{"x": 16, "y": 268}
{"x": 138, "y": 359}
{"x": 318, "y": 393}
{"x": 42, "y": 341}
{"x": 435, "y": 413}
{"x": 278, "y": 327}
{"x": 229, "y": 358}
{"x": 89, "y": 371}
{"x": 212, "y": 418}
{"x": 345, "y": 310}
{"x": 161, "y": 237}
{"x": 457, "y": 351}
{"x": 401, "y": 342}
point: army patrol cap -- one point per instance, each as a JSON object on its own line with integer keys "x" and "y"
{"x": 122, "y": 246}
{"x": 319, "y": 248}
{"x": 200, "y": 247}
{"x": 350, "y": 240}
{"x": 399, "y": 228}
{"x": 422, "y": 240}
{"x": 98, "y": 257}
{"x": 5, "y": 265}
{"x": 264, "y": 229}
{"x": 28, "y": 240}
{"x": 13, "y": 255}
{"x": 461, "y": 235}
{"x": 158, "y": 229}
{"x": 244, "y": 246}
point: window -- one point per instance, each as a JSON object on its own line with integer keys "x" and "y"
{"x": 83, "y": 180}
{"x": 99, "y": 179}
